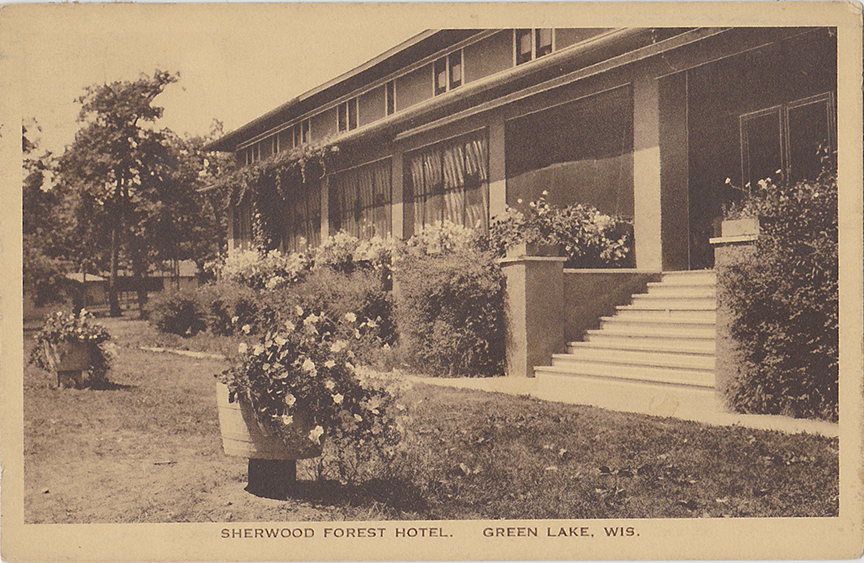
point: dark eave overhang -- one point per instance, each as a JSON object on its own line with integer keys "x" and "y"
{"x": 414, "y": 49}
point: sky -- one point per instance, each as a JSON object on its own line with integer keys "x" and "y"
{"x": 235, "y": 64}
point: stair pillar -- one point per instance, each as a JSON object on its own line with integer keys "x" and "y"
{"x": 534, "y": 310}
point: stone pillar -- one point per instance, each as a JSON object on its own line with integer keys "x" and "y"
{"x": 497, "y": 169}
{"x": 535, "y": 312}
{"x": 646, "y": 174}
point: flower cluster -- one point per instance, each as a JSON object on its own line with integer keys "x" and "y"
{"x": 344, "y": 252}
{"x": 589, "y": 238}
{"x": 303, "y": 383}
{"x": 61, "y": 327}
{"x": 443, "y": 237}
{"x": 258, "y": 270}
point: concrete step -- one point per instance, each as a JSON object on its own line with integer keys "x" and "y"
{"x": 695, "y": 277}
{"x": 623, "y": 341}
{"x": 662, "y": 328}
{"x": 657, "y": 289}
{"x": 691, "y": 377}
{"x": 653, "y": 358}
{"x": 638, "y": 311}
{"x": 627, "y": 395}
{"x": 646, "y": 301}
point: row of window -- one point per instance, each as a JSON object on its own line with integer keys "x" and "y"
{"x": 448, "y": 74}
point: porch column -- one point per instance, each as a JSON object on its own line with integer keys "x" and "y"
{"x": 325, "y": 208}
{"x": 397, "y": 206}
{"x": 646, "y": 174}
{"x": 231, "y": 244}
{"x": 497, "y": 169}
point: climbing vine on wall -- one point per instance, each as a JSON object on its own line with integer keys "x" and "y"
{"x": 268, "y": 187}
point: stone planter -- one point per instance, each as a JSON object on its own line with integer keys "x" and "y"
{"x": 744, "y": 227}
{"x": 69, "y": 360}
{"x": 523, "y": 249}
{"x": 272, "y": 463}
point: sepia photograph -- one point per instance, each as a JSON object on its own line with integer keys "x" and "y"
{"x": 444, "y": 281}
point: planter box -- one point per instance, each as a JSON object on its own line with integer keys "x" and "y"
{"x": 746, "y": 226}
{"x": 242, "y": 436}
{"x": 523, "y": 249}
{"x": 69, "y": 356}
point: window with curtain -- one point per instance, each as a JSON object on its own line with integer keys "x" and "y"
{"x": 242, "y": 224}
{"x": 304, "y": 225}
{"x": 360, "y": 200}
{"x": 450, "y": 182}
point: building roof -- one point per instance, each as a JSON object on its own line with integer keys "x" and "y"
{"x": 413, "y": 49}
{"x": 79, "y": 277}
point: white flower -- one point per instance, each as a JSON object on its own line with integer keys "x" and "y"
{"x": 337, "y": 398}
{"x": 519, "y": 201}
{"x": 280, "y": 341}
{"x": 358, "y": 418}
{"x": 289, "y": 325}
{"x": 311, "y": 320}
{"x": 290, "y": 400}
{"x": 315, "y": 434}
{"x": 338, "y": 346}
{"x": 234, "y": 319}
{"x": 329, "y": 364}
{"x": 350, "y": 317}
{"x": 329, "y": 384}
{"x": 308, "y": 365}
{"x": 545, "y": 192}
{"x": 299, "y": 310}
{"x": 246, "y": 328}
{"x": 728, "y": 181}
{"x": 258, "y": 349}
{"x": 371, "y": 324}
{"x": 287, "y": 419}
{"x": 242, "y": 348}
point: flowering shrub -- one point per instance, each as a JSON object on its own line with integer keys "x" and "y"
{"x": 590, "y": 239}
{"x": 303, "y": 384}
{"x": 443, "y": 237}
{"x": 229, "y": 306}
{"x": 258, "y": 270}
{"x": 345, "y": 252}
{"x": 784, "y": 301}
{"x": 63, "y": 327}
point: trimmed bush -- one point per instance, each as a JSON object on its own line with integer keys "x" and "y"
{"x": 178, "y": 312}
{"x": 229, "y": 306}
{"x": 784, "y": 302}
{"x": 450, "y": 311}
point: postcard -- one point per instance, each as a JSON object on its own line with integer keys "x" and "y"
{"x": 444, "y": 281}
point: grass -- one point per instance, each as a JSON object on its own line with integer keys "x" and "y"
{"x": 147, "y": 449}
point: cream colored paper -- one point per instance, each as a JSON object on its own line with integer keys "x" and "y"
{"x": 28, "y": 33}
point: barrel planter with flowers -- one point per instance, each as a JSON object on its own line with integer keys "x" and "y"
{"x": 284, "y": 394}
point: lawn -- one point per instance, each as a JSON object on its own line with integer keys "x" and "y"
{"x": 147, "y": 449}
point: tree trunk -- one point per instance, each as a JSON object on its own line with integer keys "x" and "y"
{"x": 113, "y": 301}
{"x": 140, "y": 272}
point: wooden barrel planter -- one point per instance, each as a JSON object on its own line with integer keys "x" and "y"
{"x": 272, "y": 468}
{"x": 69, "y": 360}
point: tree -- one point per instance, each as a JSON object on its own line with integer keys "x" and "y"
{"x": 43, "y": 224}
{"x": 116, "y": 169}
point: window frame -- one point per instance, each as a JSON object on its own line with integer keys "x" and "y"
{"x": 534, "y": 34}
{"x": 446, "y": 67}
{"x": 784, "y": 133}
{"x": 389, "y": 97}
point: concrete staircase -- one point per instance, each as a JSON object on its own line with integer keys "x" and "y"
{"x": 654, "y": 356}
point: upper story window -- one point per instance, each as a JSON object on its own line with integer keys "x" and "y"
{"x": 448, "y": 72}
{"x": 302, "y": 134}
{"x": 390, "y": 97}
{"x": 532, "y": 43}
{"x": 346, "y": 115}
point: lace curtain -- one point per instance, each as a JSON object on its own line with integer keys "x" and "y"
{"x": 360, "y": 200}
{"x": 450, "y": 182}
